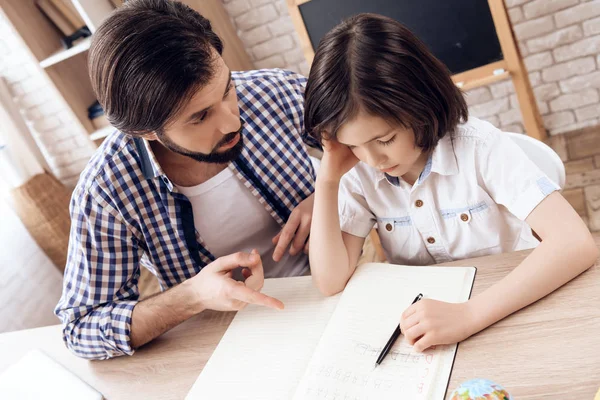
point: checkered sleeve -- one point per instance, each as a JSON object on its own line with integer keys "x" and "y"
{"x": 298, "y": 83}
{"x": 100, "y": 286}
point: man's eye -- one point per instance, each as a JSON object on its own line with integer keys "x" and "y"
{"x": 229, "y": 89}
{"x": 202, "y": 118}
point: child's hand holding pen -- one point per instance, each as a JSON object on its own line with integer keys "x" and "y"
{"x": 431, "y": 322}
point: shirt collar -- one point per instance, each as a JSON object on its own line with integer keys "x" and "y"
{"x": 381, "y": 178}
{"x": 150, "y": 166}
{"x": 442, "y": 161}
{"x": 444, "y": 157}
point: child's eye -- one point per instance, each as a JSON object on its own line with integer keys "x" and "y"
{"x": 387, "y": 142}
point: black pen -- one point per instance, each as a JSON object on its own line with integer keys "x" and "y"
{"x": 393, "y": 338}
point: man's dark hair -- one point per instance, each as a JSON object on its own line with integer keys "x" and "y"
{"x": 374, "y": 63}
{"x": 147, "y": 60}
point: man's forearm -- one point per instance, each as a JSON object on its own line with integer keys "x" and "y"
{"x": 156, "y": 315}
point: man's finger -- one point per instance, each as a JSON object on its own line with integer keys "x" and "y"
{"x": 255, "y": 267}
{"x": 300, "y": 237}
{"x": 255, "y": 278}
{"x": 246, "y": 273}
{"x": 286, "y": 236}
{"x": 255, "y": 281}
{"x": 240, "y": 292}
{"x": 276, "y": 238}
{"x": 233, "y": 261}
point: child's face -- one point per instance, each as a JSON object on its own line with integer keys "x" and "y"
{"x": 375, "y": 142}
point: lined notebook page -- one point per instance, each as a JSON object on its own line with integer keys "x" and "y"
{"x": 342, "y": 366}
{"x": 264, "y": 352}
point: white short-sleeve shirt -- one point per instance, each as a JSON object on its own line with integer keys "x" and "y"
{"x": 471, "y": 199}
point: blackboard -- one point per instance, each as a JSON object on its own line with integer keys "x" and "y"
{"x": 461, "y": 33}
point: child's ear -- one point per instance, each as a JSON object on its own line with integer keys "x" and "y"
{"x": 324, "y": 137}
{"x": 327, "y": 142}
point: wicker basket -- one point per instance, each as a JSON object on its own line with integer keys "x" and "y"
{"x": 42, "y": 204}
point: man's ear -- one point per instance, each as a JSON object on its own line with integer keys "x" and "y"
{"x": 150, "y": 136}
{"x": 144, "y": 135}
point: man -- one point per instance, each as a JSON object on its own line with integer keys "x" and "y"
{"x": 207, "y": 176}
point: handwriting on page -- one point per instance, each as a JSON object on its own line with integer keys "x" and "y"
{"x": 342, "y": 366}
{"x": 404, "y": 373}
{"x": 368, "y": 311}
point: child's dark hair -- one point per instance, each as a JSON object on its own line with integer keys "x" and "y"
{"x": 374, "y": 63}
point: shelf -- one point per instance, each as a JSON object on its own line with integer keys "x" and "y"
{"x": 62, "y": 54}
{"x": 102, "y": 133}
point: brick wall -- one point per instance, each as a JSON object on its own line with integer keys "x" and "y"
{"x": 267, "y": 32}
{"x": 559, "y": 41}
{"x": 59, "y": 135}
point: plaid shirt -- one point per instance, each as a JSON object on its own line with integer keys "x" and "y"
{"x": 126, "y": 213}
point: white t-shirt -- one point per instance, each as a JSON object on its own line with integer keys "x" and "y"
{"x": 229, "y": 219}
{"x": 471, "y": 200}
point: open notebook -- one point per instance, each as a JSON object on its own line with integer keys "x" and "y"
{"x": 325, "y": 348}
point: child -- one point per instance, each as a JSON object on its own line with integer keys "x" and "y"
{"x": 440, "y": 186}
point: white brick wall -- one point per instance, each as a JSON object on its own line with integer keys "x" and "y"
{"x": 267, "y": 31}
{"x": 559, "y": 40}
{"x": 562, "y": 40}
{"x": 61, "y": 138}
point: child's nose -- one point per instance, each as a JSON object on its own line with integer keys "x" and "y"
{"x": 375, "y": 160}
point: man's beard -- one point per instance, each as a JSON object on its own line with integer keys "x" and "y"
{"x": 214, "y": 157}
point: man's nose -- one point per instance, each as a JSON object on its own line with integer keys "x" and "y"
{"x": 229, "y": 122}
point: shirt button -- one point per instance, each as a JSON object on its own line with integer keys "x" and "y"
{"x": 419, "y": 203}
{"x": 464, "y": 217}
{"x": 430, "y": 240}
{"x": 389, "y": 227}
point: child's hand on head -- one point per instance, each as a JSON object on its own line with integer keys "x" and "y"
{"x": 431, "y": 322}
{"x": 337, "y": 160}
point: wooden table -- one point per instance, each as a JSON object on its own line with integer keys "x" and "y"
{"x": 550, "y": 349}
